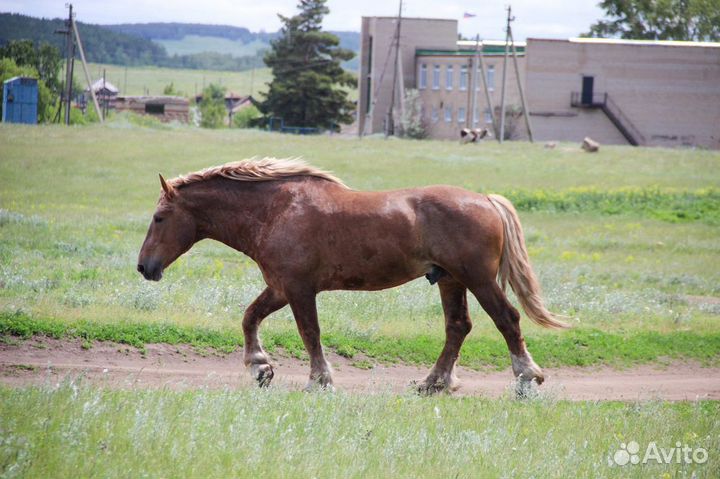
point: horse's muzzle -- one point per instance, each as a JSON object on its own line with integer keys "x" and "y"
{"x": 151, "y": 270}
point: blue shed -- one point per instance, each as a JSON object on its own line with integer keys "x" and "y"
{"x": 20, "y": 100}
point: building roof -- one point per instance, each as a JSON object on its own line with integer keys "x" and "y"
{"x": 623, "y": 41}
{"x": 22, "y": 79}
{"x": 99, "y": 84}
{"x": 414, "y": 18}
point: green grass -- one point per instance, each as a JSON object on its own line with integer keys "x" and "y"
{"x": 626, "y": 245}
{"x": 76, "y": 431}
{"x": 153, "y": 80}
{"x": 191, "y": 44}
{"x": 625, "y": 242}
{"x": 581, "y": 347}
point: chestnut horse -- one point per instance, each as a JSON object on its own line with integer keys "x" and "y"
{"x": 308, "y": 233}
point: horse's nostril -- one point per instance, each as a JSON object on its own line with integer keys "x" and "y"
{"x": 141, "y": 268}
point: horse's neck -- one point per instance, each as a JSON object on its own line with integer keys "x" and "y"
{"x": 231, "y": 212}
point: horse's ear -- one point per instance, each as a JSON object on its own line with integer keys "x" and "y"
{"x": 169, "y": 190}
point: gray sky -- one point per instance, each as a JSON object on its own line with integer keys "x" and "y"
{"x": 548, "y": 18}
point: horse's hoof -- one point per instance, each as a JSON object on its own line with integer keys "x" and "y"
{"x": 313, "y": 386}
{"x": 431, "y": 388}
{"x": 526, "y": 389}
{"x": 262, "y": 373}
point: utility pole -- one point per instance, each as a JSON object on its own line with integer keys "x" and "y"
{"x": 504, "y": 75}
{"x": 67, "y": 90}
{"x": 483, "y": 77}
{"x": 526, "y": 113}
{"x": 390, "y": 122}
{"x": 73, "y": 28}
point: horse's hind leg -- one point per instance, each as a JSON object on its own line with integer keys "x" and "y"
{"x": 507, "y": 320}
{"x": 457, "y": 326}
{"x": 254, "y": 357}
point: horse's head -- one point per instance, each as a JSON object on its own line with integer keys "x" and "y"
{"x": 172, "y": 232}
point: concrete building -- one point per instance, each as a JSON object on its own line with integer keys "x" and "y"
{"x": 655, "y": 93}
{"x": 441, "y": 68}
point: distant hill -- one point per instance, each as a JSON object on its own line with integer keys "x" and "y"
{"x": 177, "y": 45}
{"x": 176, "y": 31}
{"x": 101, "y": 45}
{"x": 194, "y": 38}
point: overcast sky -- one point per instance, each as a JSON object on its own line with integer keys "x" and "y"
{"x": 547, "y": 18}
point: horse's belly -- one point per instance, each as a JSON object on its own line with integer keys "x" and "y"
{"x": 371, "y": 275}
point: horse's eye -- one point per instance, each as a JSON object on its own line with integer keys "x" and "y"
{"x": 157, "y": 219}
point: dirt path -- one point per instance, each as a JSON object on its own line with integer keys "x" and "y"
{"x": 42, "y": 360}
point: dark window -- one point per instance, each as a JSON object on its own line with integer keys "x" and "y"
{"x": 155, "y": 109}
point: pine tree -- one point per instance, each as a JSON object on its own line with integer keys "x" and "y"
{"x": 308, "y": 82}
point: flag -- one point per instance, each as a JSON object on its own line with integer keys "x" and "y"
{"x": 469, "y": 15}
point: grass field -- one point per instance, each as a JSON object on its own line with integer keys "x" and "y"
{"x": 624, "y": 241}
{"x": 153, "y": 80}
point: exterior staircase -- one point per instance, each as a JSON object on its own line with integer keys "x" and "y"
{"x": 604, "y": 102}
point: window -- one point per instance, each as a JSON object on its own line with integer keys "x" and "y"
{"x": 463, "y": 77}
{"x": 488, "y": 116}
{"x": 436, "y": 77}
{"x": 449, "y": 77}
{"x": 422, "y": 81}
{"x": 155, "y": 108}
{"x": 461, "y": 115}
{"x": 491, "y": 77}
{"x": 448, "y": 114}
{"x": 476, "y": 117}
{"x": 435, "y": 115}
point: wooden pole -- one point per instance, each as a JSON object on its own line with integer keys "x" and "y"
{"x": 526, "y": 113}
{"x": 401, "y": 84}
{"x": 85, "y": 69}
{"x": 504, "y": 76}
{"x": 389, "y": 121}
{"x": 488, "y": 99}
{"x": 68, "y": 66}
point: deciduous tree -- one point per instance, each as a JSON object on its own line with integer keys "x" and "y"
{"x": 697, "y": 20}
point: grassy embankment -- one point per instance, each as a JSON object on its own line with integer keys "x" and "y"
{"x": 624, "y": 242}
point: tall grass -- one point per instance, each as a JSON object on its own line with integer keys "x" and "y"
{"x": 75, "y": 431}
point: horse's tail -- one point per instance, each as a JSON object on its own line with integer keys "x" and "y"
{"x": 515, "y": 267}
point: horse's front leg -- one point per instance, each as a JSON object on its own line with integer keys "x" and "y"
{"x": 254, "y": 356}
{"x": 305, "y": 311}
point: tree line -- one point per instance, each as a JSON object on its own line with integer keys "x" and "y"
{"x": 104, "y": 45}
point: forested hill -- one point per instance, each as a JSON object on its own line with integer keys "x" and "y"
{"x": 140, "y": 43}
{"x": 101, "y": 44}
{"x": 177, "y": 31}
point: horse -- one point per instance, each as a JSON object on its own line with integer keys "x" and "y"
{"x": 308, "y": 232}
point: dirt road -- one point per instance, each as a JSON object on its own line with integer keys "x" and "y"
{"x": 42, "y": 360}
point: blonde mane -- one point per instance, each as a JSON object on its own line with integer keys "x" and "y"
{"x": 265, "y": 169}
